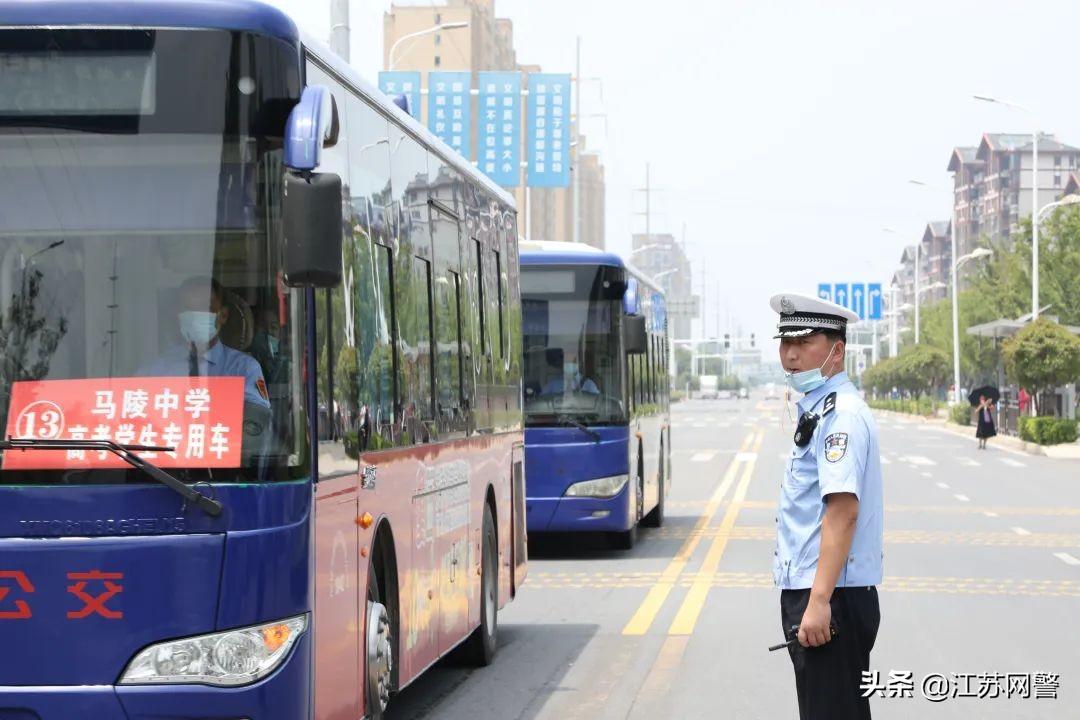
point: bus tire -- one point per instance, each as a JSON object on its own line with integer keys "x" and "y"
{"x": 626, "y": 539}
{"x": 379, "y": 649}
{"x": 655, "y": 518}
{"x": 479, "y": 649}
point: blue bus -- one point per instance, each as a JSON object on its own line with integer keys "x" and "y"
{"x": 595, "y": 373}
{"x": 260, "y": 374}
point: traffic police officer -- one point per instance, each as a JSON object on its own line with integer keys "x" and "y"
{"x": 829, "y": 537}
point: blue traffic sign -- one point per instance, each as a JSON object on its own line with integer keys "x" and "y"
{"x": 873, "y": 298}
{"x": 824, "y": 291}
{"x": 858, "y": 300}
{"x": 840, "y": 294}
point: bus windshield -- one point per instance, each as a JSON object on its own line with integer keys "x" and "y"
{"x": 140, "y": 291}
{"x": 572, "y": 318}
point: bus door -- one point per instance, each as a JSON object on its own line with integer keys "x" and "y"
{"x": 451, "y": 472}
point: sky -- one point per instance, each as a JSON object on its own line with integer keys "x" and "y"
{"x": 783, "y": 134}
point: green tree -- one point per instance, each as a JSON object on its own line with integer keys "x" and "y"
{"x": 1042, "y": 356}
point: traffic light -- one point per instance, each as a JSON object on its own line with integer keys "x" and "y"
{"x": 727, "y": 341}
{"x": 751, "y": 339}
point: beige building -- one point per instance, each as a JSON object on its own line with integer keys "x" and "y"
{"x": 487, "y": 43}
{"x": 992, "y": 183}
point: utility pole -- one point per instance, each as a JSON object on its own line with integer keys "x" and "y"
{"x": 576, "y": 179}
{"x": 339, "y": 27}
{"x": 648, "y": 231}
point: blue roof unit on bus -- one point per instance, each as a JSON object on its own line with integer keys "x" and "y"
{"x": 239, "y": 15}
{"x": 548, "y": 252}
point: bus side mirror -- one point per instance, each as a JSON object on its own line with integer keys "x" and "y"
{"x": 312, "y": 225}
{"x": 634, "y": 336}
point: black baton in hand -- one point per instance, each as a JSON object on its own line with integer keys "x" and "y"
{"x": 794, "y": 632}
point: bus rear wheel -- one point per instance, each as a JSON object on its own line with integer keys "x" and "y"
{"x": 479, "y": 649}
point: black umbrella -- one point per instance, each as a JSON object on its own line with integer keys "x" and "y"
{"x": 987, "y": 391}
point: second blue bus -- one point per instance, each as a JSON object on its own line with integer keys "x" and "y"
{"x": 595, "y": 373}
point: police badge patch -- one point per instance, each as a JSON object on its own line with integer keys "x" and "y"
{"x": 835, "y": 447}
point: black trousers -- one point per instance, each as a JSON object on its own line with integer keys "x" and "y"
{"x": 827, "y": 678}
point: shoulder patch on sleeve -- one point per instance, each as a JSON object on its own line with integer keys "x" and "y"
{"x": 836, "y": 446}
{"x": 848, "y": 401}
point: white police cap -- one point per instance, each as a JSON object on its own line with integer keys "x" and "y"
{"x": 802, "y": 315}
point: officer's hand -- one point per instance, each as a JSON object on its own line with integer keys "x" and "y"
{"x": 814, "y": 630}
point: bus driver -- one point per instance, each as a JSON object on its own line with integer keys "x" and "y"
{"x": 202, "y": 315}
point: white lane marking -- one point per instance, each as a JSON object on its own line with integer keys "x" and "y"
{"x": 926, "y": 474}
{"x": 943, "y": 486}
{"x": 886, "y": 461}
{"x": 968, "y": 462}
{"x": 962, "y": 498}
{"x": 699, "y": 425}
{"x": 917, "y": 460}
{"x": 746, "y": 456}
{"x": 1067, "y": 558}
{"x": 1020, "y": 531}
{"x": 1012, "y": 463}
{"x": 724, "y": 425}
{"x": 990, "y": 513}
{"x": 703, "y": 457}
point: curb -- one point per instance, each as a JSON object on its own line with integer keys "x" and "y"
{"x": 1067, "y": 451}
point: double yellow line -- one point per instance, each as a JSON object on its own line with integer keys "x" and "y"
{"x": 691, "y": 607}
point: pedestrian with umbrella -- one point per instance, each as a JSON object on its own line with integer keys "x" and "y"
{"x": 984, "y": 400}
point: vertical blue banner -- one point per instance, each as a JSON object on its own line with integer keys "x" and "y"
{"x": 858, "y": 300}
{"x": 498, "y": 132}
{"x": 824, "y": 291}
{"x": 873, "y": 301}
{"x": 402, "y": 83}
{"x": 549, "y": 130}
{"x": 840, "y": 295}
{"x": 450, "y": 109}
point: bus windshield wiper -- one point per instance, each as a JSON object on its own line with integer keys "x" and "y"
{"x": 570, "y": 421}
{"x": 127, "y": 454}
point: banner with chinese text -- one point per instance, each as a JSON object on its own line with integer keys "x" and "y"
{"x": 199, "y": 417}
{"x": 498, "y": 132}
{"x": 450, "y": 109}
{"x": 549, "y": 130}
{"x": 402, "y": 82}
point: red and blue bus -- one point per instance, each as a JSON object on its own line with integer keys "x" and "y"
{"x": 597, "y": 427}
{"x": 260, "y": 374}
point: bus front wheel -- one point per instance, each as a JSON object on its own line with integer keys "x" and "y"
{"x": 626, "y": 539}
{"x": 379, "y": 650}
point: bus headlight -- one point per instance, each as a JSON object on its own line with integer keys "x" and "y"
{"x": 225, "y": 659}
{"x": 599, "y": 488}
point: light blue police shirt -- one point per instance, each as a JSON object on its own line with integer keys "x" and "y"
{"x": 218, "y": 361}
{"x": 842, "y": 456}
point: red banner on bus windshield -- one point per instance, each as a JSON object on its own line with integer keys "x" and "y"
{"x": 199, "y": 417}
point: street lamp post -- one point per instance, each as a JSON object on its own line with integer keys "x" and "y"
{"x": 1034, "y": 198}
{"x": 957, "y": 262}
{"x": 434, "y": 28}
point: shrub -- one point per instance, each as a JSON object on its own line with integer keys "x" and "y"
{"x": 1048, "y": 430}
{"x": 960, "y": 414}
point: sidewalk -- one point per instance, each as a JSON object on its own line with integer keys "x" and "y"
{"x": 1067, "y": 451}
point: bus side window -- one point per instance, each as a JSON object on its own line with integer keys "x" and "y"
{"x": 424, "y": 388}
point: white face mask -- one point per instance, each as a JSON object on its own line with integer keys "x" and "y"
{"x": 198, "y": 327}
{"x": 809, "y": 380}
